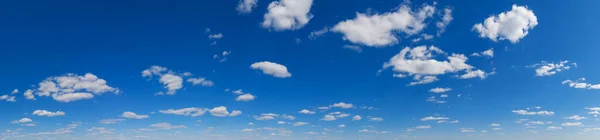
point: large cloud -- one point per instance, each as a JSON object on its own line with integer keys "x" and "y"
{"x": 287, "y": 14}
{"x": 420, "y": 62}
{"x": 72, "y": 87}
{"x": 512, "y": 25}
{"x": 379, "y": 30}
{"x": 245, "y": 6}
{"x": 270, "y": 68}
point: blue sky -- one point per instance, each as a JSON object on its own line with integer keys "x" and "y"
{"x": 299, "y": 69}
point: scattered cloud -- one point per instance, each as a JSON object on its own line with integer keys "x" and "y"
{"x": 200, "y": 81}
{"x": 8, "y": 98}
{"x": 235, "y": 113}
{"x": 22, "y": 120}
{"x": 315, "y": 34}
{"x": 356, "y": 118}
{"x": 270, "y": 68}
{"x": 342, "y": 105}
{"x": 541, "y": 113}
{"x": 554, "y": 128}
{"x": 167, "y": 126}
{"x": 245, "y": 97}
{"x": 550, "y": 68}
{"x": 300, "y": 123}
{"x": 287, "y": 14}
{"x": 580, "y": 83}
{"x": 304, "y": 111}
{"x": 570, "y": 124}
{"x": 376, "y": 119}
{"x": 445, "y": 20}
{"x": 329, "y": 118}
{"x": 111, "y": 121}
{"x": 353, "y": 48}
{"x": 72, "y": 87}
{"x": 191, "y": 111}
{"x": 378, "y": 30}
{"x": 48, "y": 113}
{"x": 246, "y": 6}
{"x": 131, "y": 115}
{"x": 431, "y": 118}
{"x": 486, "y": 53}
{"x": 439, "y": 90}
{"x": 220, "y": 111}
{"x": 576, "y": 117}
{"x": 512, "y": 25}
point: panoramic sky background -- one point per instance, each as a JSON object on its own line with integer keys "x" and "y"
{"x": 299, "y": 69}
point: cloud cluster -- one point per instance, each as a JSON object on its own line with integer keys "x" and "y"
{"x": 71, "y": 87}
{"x": 287, "y": 14}
{"x": 173, "y": 81}
{"x": 549, "y": 68}
{"x": 48, "y": 113}
{"x": 512, "y": 25}
{"x": 580, "y": 83}
{"x": 379, "y": 30}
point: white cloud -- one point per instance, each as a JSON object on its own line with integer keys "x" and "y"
{"x": 266, "y": 116}
{"x": 29, "y": 94}
{"x": 439, "y": 90}
{"x": 215, "y": 36}
{"x": 131, "y": 115}
{"x": 270, "y": 68}
{"x": 220, "y": 111}
{"x": 72, "y": 87}
{"x": 15, "y": 91}
{"x": 246, "y": 6}
{"x": 376, "y": 119}
{"x": 580, "y": 83}
{"x": 486, "y": 53}
{"x": 512, "y": 25}
{"x": 446, "y": 19}
{"x": 300, "y": 123}
{"x": 419, "y": 62}
{"x": 68, "y": 97}
{"x": 353, "y": 48}
{"x": 423, "y": 127}
{"x": 356, "y": 118}
{"x": 541, "y": 113}
{"x": 467, "y": 130}
{"x": 287, "y": 14}
{"x": 315, "y": 34}
{"x": 245, "y": 97}
{"x": 553, "y": 128}
{"x": 191, "y": 111}
{"x": 576, "y": 117}
{"x": 238, "y": 92}
{"x": 549, "y": 68}
{"x": 22, "y": 120}
{"x": 8, "y": 98}
{"x": 329, "y": 118}
{"x": 247, "y": 130}
{"x": 378, "y": 30}
{"x": 289, "y": 117}
{"x": 341, "y": 126}
{"x": 200, "y": 81}
{"x": 494, "y": 125}
{"x": 235, "y": 113}
{"x": 431, "y": 118}
{"x": 568, "y": 124}
{"x": 342, "y": 105}
{"x": 304, "y": 111}
{"x": 280, "y": 122}
{"x": 172, "y": 82}
{"x": 48, "y": 113}
{"x": 167, "y": 126}
{"x": 111, "y": 121}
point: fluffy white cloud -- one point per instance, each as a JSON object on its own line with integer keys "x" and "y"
{"x": 8, "y": 98}
{"x": 512, "y": 25}
{"x": 446, "y": 19}
{"x": 245, "y": 97}
{"x": 541, "y": 113}
{"x": 220, "y": 111}
{"x": 439, "y": 90}
{"x": 486, "y": 53}
{"x": 287, "y": 14}
{"x": 172, "y": 82}
{"x": 22, "y": 120}
{"x": 419, "y": 62}
{"x": 356, "y": 118}
{"x": 342, "y": 105}
{"x": 569, "y": 124}
{"x": 167, "y": 126}
{"x": 235, "y": 113}
{"x": 341, "y": 126}
{"x": 329, "y": 118}
{"x": 378, "y": 30}
{"x": 131, "y": 115}
{"x": 270, "y": 68}
{"x": 304, "y": 111}
{"x": 576, "y": 117}
{"x": 300, "y": 123}
{"x": 580, "y": 83}
{"x": 245, "y": 6}
{"x": 549, "y": 68}
{"x": 71, "y": 87}
{"x": 200, "y": 81}
{"x": 191, "y": 111}
{"x": 376, "y": 119}
{"x": 15, "y": 91}
{"x": 69, "y": 97}
{"x": 48, "y": 113}
{"x": 29, "y": 94}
